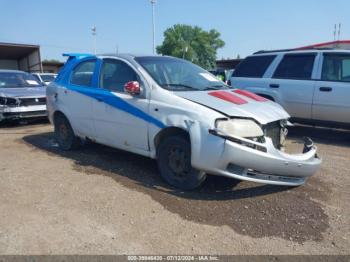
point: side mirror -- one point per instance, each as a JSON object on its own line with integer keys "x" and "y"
{"x": 132, "y": 88}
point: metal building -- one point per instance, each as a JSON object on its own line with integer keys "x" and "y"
{"x": 340, "y": 44}
{"x": 20, "y": 57}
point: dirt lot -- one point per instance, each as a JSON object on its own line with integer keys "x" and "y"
{"x": 98, "y": 200}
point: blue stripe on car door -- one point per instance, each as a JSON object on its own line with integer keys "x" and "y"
{"x": 116, "y": 102}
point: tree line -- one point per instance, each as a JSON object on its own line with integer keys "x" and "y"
{"x": 192, "y": 43}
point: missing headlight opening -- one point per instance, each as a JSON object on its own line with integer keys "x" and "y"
{"x": 277, "y": 132}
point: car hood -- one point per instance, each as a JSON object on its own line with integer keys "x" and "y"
{"x": 224, "y": 101}
{"x": 23, "y": 92}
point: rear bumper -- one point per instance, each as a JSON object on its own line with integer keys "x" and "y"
{"x": 12, "y": 113}
{"x": 271, "y": 167}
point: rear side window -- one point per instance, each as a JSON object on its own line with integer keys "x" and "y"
{"x": 82, "y": 74}
{"x": 336, "y": 67}
{"x": 253, "y": 66}
{"x": 296, "y": 67}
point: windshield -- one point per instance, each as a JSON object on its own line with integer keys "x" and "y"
{"x": 48, "y": 78}
{"x": 17, "y": 79}
{"x": 179, "y": 75}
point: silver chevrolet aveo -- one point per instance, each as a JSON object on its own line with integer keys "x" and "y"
{"x": 175, "y": 112}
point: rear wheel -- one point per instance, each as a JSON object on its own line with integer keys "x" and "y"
{"x": 64, "y": 134}
{"x": 174, "y": 162}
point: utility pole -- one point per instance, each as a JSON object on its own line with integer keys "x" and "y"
{"x": 153, "y": 2}
{"x": 93, "y": 31}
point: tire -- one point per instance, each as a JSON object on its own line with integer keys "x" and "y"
{"x": 64, "y": 134}
{"x": 174, "y": 163}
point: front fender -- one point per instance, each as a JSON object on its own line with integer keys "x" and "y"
{"x": 206, "y": 149}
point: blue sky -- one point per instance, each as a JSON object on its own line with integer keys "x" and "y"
{"x": 246, "y": 25}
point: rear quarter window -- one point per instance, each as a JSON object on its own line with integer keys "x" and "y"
{"x": 295, "y": 66}
{"x": 82, "y": 74}
{"x": 253, "y": 66}
{"x": 336, "y": 67}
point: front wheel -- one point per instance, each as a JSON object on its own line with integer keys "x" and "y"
{"x": 64, "y": 134}
{"x": 174, "y": 162}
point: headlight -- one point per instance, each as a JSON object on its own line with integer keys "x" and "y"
{"x": 8, "y": 101}
{"x": 239, "y": 127}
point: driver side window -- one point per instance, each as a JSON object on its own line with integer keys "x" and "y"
{"x": 115, "y": 74}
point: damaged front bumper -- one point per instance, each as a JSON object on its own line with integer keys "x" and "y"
{"x": 245, "y": 159}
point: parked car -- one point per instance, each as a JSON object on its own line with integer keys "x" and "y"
{"x": 45, "y": 78}
{"x": 312, "y": 85}
{"x": 21, "y": 96}
{"x": 176, "y": 112}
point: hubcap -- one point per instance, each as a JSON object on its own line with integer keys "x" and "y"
{"x": 63, "y": 131}
{"x": 178, "y": 161}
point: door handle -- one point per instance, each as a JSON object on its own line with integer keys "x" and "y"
{"x": 326, "y": 89}
{"x": 274, "y": 85}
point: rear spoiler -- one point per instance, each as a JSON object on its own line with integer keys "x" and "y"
{"x": 76, "y": 55}
{"x": 73, "y": 56}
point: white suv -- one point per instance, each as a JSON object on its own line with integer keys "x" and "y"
{"x": 312, "y": 85}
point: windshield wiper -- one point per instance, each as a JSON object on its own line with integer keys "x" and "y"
{"x": 179, "y": 85}
{"x": 216, "y": 87}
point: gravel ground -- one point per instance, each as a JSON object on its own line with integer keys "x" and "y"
{"x": 99, "y": 200}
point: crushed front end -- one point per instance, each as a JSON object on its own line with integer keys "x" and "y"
{"x": 12, "y": 108}
{"x": 255, "y": 153}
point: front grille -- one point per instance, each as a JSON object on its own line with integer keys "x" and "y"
{"x": 273, "y": 131}
{"x": 16, "y": 115}
{"x": 32, "y": 101}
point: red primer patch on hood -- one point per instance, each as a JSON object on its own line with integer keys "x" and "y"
{"x": 250, "y": 95}
{"x": 229, "y": 97}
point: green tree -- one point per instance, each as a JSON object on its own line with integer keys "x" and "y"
{"x": 51, "y": 61}
{"x": 192, "y": 43}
